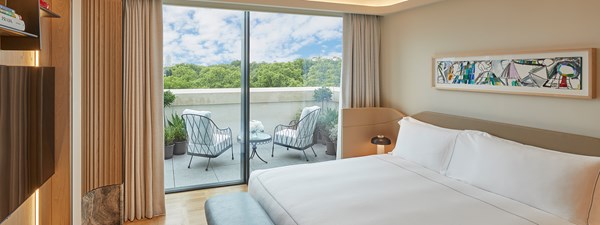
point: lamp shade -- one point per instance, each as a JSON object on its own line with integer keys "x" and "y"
{"x": 380, "y": 140}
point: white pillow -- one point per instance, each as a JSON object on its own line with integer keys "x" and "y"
{"x": 425, "y": 144}
{"x": 559, "y": 183}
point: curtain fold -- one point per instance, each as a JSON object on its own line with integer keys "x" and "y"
{"x": 143, "y": 112}
{"x": 102, "y": 99}
{"x": 360, "y": 69}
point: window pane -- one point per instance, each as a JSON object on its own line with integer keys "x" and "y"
{"x": 202, "y": 53}
{"x": 295, "y": 64}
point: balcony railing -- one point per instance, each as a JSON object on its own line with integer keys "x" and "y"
{"x": 272, "y": 106}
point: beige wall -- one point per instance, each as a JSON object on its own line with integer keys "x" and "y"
{"x": 411, "y": 38}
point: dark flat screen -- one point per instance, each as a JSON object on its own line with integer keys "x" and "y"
{"x": 26, "y": 133}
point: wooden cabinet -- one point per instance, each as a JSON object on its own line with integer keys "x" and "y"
{"x": 30, "y": 39}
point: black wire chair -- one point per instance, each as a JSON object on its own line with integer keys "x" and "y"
{"x": 205, "y": 138}
{"x": 297, "y": 135}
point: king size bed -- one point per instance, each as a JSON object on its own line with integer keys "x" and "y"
{"x": 444, "y": 170}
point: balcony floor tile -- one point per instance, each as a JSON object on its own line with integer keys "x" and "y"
{"x": 224, "y": 169}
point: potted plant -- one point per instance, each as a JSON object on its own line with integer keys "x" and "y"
{"x": 322, "y": 95}
{"x": 168, "y": 98}
{"x": 332, "y": 144}
{"x": 326, "y": 121}
{"x": 169, "y": 142}
{"x": 179, "y": 134}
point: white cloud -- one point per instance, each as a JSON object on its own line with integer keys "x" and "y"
{"x": 210, "y": 36}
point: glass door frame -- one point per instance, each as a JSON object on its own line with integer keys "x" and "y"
{"x": 245, "y": 91}
{"x": 245, "y": 116}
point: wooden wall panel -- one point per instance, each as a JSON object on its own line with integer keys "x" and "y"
{"x": 25, "y": 214}
{"x": 55, "y": 194}
{"x": 102, "y": 93}
{"x": 17, "y": 58}
{"x": 60, "y": 48}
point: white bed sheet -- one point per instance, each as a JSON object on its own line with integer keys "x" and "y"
{"x": 380, "y": 190}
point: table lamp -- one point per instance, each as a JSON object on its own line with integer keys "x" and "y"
{"x": 380, "y": 141}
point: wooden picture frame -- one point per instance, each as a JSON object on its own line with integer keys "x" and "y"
{"x": 567, "y": 73}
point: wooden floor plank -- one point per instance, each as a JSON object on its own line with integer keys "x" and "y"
{"x": 188, "y": 207}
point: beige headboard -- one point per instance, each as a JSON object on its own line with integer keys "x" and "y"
{"x": 359, "y": 125}
{"x": 553, "y": 140}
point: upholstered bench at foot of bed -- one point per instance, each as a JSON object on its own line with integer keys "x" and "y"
{"x": 235, "y": 209}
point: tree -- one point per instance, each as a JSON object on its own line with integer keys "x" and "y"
{"x": 324, "y": 72}
{"x": 219, "y": 77}
{"x": 285, "y": 74}
{"x": 314, "y": 72}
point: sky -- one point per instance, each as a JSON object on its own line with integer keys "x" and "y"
{"x": 213, "y": 36}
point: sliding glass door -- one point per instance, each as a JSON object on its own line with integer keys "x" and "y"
{"x": 294, "y": 79}
{"x": 202, "y": 80}
{"x": 280, "y": 73}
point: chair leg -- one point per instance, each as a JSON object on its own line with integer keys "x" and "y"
{"x": 272, "y": 149}
{"x": 190, "y": 161}
{"x": 304, "y": 151}
{"x": 208, "y": 164}
{"x": 231, "y": 153}
{"x": 313, "y": 151}
{"x": 288, "y": 149}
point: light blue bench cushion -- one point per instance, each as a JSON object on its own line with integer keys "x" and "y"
{"x": 235, "y": 209}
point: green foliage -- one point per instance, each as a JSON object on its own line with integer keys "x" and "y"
{"x": 324, "y": 72}
{"x": 177, "y": 124}
{"x": 187, "y": 76}
{"x": 168, "y": 98}
{"x": 327, "y": 120}
{"x": 333, "y": 133}
{"x": 169, "y": 136}
{"x": 298, "y": 73}
{"x": 286, "y": 74}
{"x": 323, "y": 95}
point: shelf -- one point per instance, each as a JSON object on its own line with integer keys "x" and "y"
{"x": 7, "y": 31}
{"x": 48, "y": 13}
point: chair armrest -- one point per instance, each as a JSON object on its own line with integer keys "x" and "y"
{"x": 281, "y": 127}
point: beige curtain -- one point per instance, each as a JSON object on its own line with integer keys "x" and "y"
{"x": 143, "y": 132}
{"x": 360, "y": 70}
{"x": 102, "y": 94}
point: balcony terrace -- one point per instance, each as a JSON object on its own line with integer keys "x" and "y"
{"x": 271, "y": 106}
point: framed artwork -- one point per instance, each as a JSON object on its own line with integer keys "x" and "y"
{"x": 559, "y": 73}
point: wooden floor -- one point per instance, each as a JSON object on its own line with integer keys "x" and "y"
{"x": 188, "y": 207}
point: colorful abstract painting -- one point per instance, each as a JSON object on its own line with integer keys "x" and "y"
{"x": 562, "y": 73}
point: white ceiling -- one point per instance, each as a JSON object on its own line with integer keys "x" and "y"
{"x": 372, "y": 7}
{"x": 372, "y": 3}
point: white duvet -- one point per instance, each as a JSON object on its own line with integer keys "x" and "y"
{"x": 379, "y": 190}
